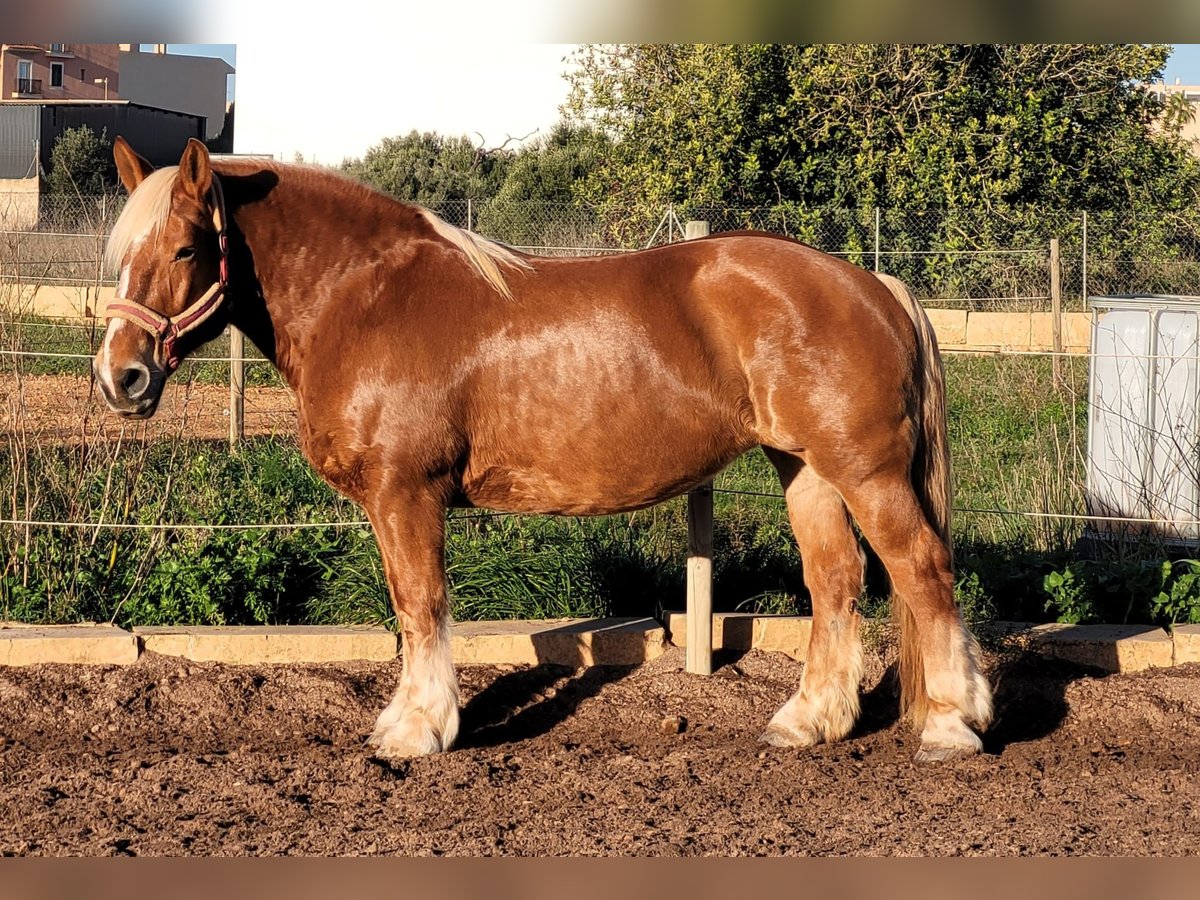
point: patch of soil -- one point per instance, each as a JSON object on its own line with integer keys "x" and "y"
{"x": 65, "y": 408}
{"x": 173, "y": 757}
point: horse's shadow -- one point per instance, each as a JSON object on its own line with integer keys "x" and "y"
{"x": 531, "y": 702}
{"x": 1029, "y": 700}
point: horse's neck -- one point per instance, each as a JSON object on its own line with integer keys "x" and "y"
{"x": 298, "y": 250}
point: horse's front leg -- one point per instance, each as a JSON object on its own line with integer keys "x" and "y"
{"x": 423, "y": 716}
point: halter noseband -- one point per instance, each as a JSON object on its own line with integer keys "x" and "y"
{"x": 167, "y": 330}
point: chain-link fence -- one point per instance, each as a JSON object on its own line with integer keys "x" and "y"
{"x": 1018, "y": 425}
{"x": 974, "y": 260}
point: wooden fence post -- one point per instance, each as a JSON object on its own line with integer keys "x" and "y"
{"x": 700, "y": 563}
{"x": 237, "y": 387}
{"x": 1056, "y": 308}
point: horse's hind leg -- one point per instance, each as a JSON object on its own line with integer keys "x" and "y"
{"x": 827, "y": 703}
{"x": 423, "y": 715}
{"x": 943, "y": 685}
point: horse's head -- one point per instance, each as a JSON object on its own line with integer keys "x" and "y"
{"x": 170, "y": 249}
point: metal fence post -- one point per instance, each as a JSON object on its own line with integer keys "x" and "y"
{"x": 1085, "y": 287}
{"x": 237, "y": 387}
{"x": 700, "y": 563}
{"x": 877, "y": 239}
{"x": 1056, "y": 308}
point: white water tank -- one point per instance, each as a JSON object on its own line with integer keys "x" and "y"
{"x": 1143, "y": 442}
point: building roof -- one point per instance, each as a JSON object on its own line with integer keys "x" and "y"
{"x": 37, "y": 102}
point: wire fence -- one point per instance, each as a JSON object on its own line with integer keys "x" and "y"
{"x": 967, "y": 259}
{"x": 1019, "y": 426}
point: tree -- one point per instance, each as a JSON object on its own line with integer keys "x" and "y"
{"x": 536, "y": 204}
{"x": 431, "y": 169}
{"x": 963, "y": 147}
{"x": 80, "y": 163}
{"x": 950, "y": 126}
{"x": 223, "y": 142}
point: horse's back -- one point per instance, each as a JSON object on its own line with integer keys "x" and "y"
{"x": 608, "y": 384}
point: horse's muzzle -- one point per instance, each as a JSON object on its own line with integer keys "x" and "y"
{"x": 133, "y": 392}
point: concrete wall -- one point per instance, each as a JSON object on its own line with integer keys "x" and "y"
{"x": 190, "y": 84}
{"x": 75, "y": 302}
{"x": 19, "y": 198}
{"x": 961, "y": 330}
{"x": 956, "y": 329}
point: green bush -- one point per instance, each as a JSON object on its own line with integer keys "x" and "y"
{"x": 81, "y": 163}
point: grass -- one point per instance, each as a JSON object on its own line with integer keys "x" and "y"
{"x": 1017, "y": 440}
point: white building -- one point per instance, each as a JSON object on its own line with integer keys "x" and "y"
{"x": 1191, "y": 93}
{"x": 187, "y": 84}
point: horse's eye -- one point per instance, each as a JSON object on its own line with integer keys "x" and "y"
{"x": 185, "y": 253}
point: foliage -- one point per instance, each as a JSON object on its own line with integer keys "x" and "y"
{"x": 542, "y": 176}
{"x": 996, "y": 128}
{"x": 1124, "y": 590}
{"x": 1070, "y": 596}
{"x": 223, "y": 142}
{"x": 430, "y": 169}
{"x": 1178, "y": 598}
{"x": 80, "y": 163}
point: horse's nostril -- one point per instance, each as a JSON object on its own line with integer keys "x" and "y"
{"x": 134, "y": 381}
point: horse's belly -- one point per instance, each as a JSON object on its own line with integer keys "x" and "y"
{"x": 533, "y": 490}
{"x": 599, "y": 467}
{"x": 596, "y": 413}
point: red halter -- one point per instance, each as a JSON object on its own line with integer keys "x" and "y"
{"x": 167, "y": 330}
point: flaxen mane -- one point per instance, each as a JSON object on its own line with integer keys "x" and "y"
{"x": 146, "y": 210}
{"x": 485, "y": 256}
{"x": 148, "y": 207}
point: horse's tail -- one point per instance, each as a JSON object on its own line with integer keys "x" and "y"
{"x": 930, "y": 480}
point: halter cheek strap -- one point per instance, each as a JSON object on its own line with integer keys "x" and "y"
{"x": 167, "y": 330}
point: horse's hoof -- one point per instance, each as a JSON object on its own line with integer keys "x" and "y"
{"x": 392, "y": 752}
{"x": 412, "y": 736}
{"x": 782, "y": 736}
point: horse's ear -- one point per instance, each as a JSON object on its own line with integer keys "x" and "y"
{"x": 132, "y": 168}
{"x": 195, "y": 171}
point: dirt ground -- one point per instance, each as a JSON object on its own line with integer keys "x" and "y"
{"x": 67, "y": 408}
{"x": 171, "y": 757}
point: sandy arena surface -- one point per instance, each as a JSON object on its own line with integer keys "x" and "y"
{"x": 54, "y": 408}
{"x": 172, "y": 757}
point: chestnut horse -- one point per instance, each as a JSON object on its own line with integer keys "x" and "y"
{"x": 433, "y": 368}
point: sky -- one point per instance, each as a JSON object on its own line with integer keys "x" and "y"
{"x": 1184, "y": 64}
{"x": 335, "y": 104}
{"x": 329, "y": 99}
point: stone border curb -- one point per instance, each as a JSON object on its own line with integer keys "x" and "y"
{"x": 254, "y": 644}
{"x": 746, "y": 631}
{"x": 568, "y": 642}
{"x": 1112, "y": 648}
{"x": 31, "y": 645}
{"x": 563, "y": 642}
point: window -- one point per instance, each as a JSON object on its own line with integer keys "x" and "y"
{"x": 24, "y": 69}
{"x": 58, "y": 48}
{"x": 56, "y": 74}
{"x": 83, "y": 74}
